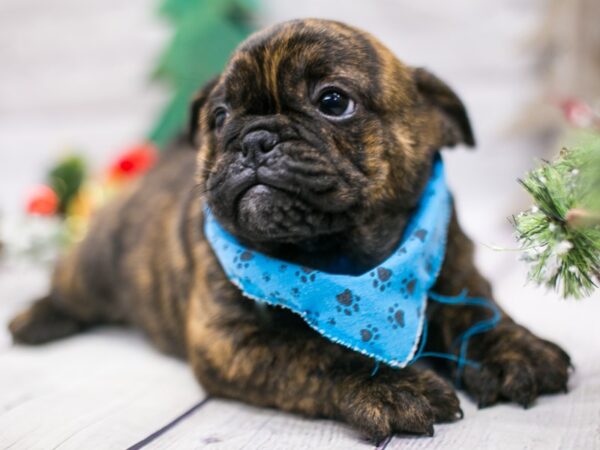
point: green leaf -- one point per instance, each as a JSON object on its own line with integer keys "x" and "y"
{"x": 66, "y": 179}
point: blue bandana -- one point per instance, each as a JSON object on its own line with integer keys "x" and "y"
{"x": 380, "y": 313}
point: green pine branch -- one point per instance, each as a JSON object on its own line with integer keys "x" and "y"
{"x": 561, "y": 233}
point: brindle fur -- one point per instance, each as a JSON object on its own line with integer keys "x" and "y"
{"x": 345, "y": 188}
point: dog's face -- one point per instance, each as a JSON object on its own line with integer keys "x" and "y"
{"x": 316, "y": 130}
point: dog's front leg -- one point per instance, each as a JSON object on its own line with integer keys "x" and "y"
{"x": 238, "y": 352}
{"x": 515, "y": 364}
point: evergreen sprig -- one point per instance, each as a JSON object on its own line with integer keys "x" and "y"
{"x": 205, "y": 34}
{"x": 560, "y": 234}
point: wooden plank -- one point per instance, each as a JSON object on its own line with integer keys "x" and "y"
{"x": 108, "y": 387}
{"x": 225, "y": 425}
{"x": 555, "y": 422}
{"x": 105, "y": 389}
{"x": 173, "y": 423}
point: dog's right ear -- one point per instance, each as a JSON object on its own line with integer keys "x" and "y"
{"x": 196, "y": 106}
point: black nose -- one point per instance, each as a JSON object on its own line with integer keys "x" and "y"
{"x": 257, "y": 142}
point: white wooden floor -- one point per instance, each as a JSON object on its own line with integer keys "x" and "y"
{"x": 74, "y": 73}
{"x": 109, "y": 389}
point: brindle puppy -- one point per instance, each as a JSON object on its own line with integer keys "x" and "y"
{"x": 314, "y": 144}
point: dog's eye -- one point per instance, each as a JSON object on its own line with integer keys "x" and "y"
{"x": 334, "y": 103}
{"x": 219, "y": 117}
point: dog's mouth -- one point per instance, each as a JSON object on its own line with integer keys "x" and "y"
{"x": 255, "y": 210}
{"x": 267, "y": 212}
{"x": 286, "y": 196}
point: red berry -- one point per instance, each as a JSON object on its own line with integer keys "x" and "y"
{"x": 42, "y": 201}
{"x": 133, "y": 162}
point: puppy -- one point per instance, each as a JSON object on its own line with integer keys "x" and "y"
{"x": 314, "y": 144}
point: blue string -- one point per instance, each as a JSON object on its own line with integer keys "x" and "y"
{"x": 461, "y": 359}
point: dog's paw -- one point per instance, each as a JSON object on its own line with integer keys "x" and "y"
{"x": 42, "y": 322}
{"x": 398, "y": 401}
{"x": 516, "y": 366}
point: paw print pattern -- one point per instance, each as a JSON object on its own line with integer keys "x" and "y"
{"x": 429, "y": 266}
{"x": 305, "y": 274}
{"x": 396, "y": 317}
{"x": 381, "y": 278}
{"x": 295, "y": 292}
{"x": 242, "y": 258}
{"x": 276, "y": 295}
{"x": 369, "y": 334}
{"x": 312, "y": 317}
{"x": 408, "y": 286}
{"x": 421, "y": 235}
{"x": 266, "y": 276}
{"x": 348, "y": 302}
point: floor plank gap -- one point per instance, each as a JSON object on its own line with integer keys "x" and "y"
{"x": 144, "y": 442}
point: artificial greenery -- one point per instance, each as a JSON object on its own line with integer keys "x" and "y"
{"x": 206, "y": 33}
{"x": 561, "y": 232}
{"x": 65, "y": 179}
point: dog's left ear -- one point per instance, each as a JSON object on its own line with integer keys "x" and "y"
{"x": 456, "y": 128}
{"x": 196, "y": 106}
